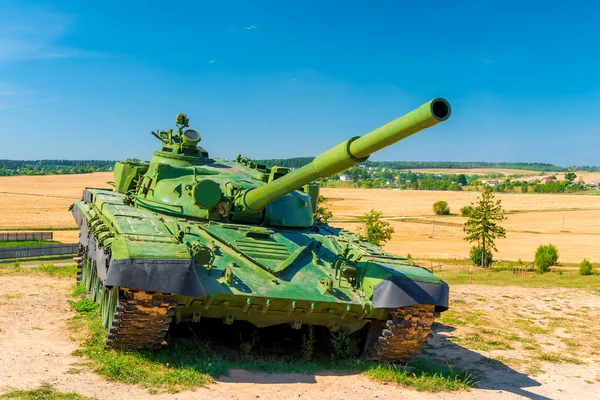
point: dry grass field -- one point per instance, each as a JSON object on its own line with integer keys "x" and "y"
{"x": 587, "y": 177}
{"x": 41, "y": 202}
{"x": 532, "y": 219}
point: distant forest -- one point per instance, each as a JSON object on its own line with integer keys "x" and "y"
{"x": 53, "y": 167}
{"x": 300, "y": 161}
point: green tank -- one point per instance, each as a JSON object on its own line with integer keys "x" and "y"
{"x": 184, "y": 237}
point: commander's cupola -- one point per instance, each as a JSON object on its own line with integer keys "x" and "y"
{"x": 182, "y": 144}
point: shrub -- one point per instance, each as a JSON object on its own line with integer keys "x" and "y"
{"x": 466, "y": 211}
{"x": 586, "y": 268}
{"x": 545, "y": 257}
{"x": 322, "y": 213}
{"x": 441, "y": 208}
{"x": 376, "y": 231}
{"x": 475, "y": 256}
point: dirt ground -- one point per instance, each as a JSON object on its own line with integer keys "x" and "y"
{"x": 36, "y": 348}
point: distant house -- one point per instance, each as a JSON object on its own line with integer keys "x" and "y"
{"x": 546, "y": 179}
{"x": 593, "y": 185}
{"x": 492, "y": 183}
{"x": 345, "y": 177}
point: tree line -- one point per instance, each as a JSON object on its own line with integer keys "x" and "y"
{"x": 52, "y": 167}
{"x": 297, "y": 162}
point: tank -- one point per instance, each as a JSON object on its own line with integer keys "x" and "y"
{"x": 185, "y": 237}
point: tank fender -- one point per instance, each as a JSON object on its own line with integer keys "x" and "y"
{"x": 80, "y": 219}
{"x": 166, "y": 276}
{"x": 400, "y": 291}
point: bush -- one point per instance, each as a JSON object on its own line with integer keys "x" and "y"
{"x": 466, "y": 211}
{"x": 475, "y": 256}
{"x": 322, "y": 213}
{"x": 586, "y": 268}
{"x": 441, "y": 208}
{"x": 545, "y": 257}
{"x": 376, "y": 231}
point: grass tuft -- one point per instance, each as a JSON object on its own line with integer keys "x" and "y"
{"x": 44, "y": 392}
{"x": 557, "y": 358}
{"x": 423, "y": 376}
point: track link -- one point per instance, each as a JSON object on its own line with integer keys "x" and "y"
{"x": 141, "y": 320}
{"x": 402, "y": 337}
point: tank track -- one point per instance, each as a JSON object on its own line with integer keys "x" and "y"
{"x": 141, "y": 320}
{"x": 402, "y": 337}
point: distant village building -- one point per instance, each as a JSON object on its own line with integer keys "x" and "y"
{"x": 345, "y": 177}
{"x": 593, "y": 185}
{"x": 546, "y": 179}
{"x": 492, "y": 183}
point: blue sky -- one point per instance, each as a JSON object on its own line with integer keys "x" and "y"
{"x": 292, "y": 78}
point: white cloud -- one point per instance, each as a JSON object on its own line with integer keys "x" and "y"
{"x": 249, "y": 27}
{"x": 211, "y": 61}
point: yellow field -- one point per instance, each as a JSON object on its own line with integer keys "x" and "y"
{"x": 587, "y": 177}
{"x": 43, "y": 201}
{"x": 36, "y": 202}
{"x": 532, "y": 219}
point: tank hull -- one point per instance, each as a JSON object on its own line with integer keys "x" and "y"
{"x": 138, "y": 264}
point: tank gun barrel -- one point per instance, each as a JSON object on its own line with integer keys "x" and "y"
{"x": 349, "y": 153}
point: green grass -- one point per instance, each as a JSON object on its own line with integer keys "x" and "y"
{"x": 44, "y": 392}
{"x": 47, "y": 269}
{"x": 558, "y": 358}
{"x": 501, "y": 275}
{"x": 59, "y": 258}
{"x": 26, "y": 243}
{"x": 428, "y": 378}
{"x": 191, "y": 363}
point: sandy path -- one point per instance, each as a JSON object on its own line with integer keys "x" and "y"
{"x": 35, "y": 348}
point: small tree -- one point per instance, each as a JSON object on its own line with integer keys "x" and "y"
{"x": 376, "y": 231}
{"x": 322, "y": 213}
{"x": 441, "y": 208}
{"x": 545, "y": 257}
{"x": 570, "y": 176}
{"x": 586, "y": 268}
{"x": 483, "y": 226}
{"x": 475, "y": 256}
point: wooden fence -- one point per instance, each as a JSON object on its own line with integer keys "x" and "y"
{"x": 38, "y": 251}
